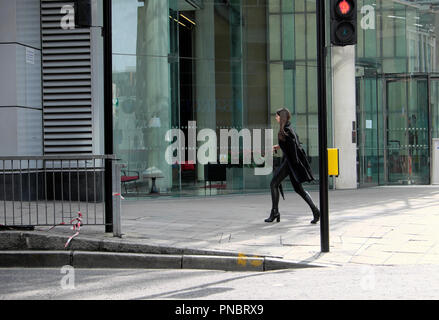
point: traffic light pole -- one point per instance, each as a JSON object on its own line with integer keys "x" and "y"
{"x": 108, "y": 114}
{"x": 323, "y": 128}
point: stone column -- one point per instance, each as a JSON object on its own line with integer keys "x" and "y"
{"x": 344, "y": 114}
{"x": 205, "y": 71}
{"x": 153, "y": 91}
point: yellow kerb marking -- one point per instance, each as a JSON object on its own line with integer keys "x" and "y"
{"x": 242, "y": 260}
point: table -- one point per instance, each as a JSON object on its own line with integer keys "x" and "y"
{"x": 153, "y": 174}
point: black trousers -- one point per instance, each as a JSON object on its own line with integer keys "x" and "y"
{"x": 279, "y": 175}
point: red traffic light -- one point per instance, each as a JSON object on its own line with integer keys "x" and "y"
{"x": 344, "y": 8}
{"x": 343, "y": 22}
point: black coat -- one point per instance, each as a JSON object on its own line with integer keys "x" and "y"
{"x": 293, "y": 153}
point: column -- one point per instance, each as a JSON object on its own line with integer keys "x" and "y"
{"x": 153, "y": 85}
{"x": 205, "y": 71}
{"x": 344, "y": 114}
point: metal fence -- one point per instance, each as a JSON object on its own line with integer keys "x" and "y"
{"x": 52, "y": 190}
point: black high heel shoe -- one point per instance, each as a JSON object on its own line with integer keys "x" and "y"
{"x": 315, "y": 210}
{"x": 274, "y": 215}
{"x": 316, "y": 214}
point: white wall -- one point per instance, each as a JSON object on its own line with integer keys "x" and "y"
{"x": 20, "y": 78}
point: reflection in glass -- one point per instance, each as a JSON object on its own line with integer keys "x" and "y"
{"x": 219, "y": 65}
{"x": 396, "y": 66}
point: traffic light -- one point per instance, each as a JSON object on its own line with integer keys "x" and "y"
{"x": 83, "y": 13}
{"x": 343, "y": 22}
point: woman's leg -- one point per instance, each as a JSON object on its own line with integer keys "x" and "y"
{"x": 279, "y": 175}
{"x": 305, "y": 195}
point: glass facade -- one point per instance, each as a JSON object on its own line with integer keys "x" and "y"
{"x": 397, "y": 107}
{"x": 231, "y": 64}
{"x": 217, "y": 65}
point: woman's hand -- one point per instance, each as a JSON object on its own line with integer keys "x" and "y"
{"x": 275, "y": 148}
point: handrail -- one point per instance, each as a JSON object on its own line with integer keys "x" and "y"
{"x": 58, "y": 157}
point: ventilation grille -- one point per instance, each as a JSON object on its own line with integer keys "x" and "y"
{"x": 67, "y": 91}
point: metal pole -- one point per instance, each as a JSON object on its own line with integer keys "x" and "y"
{"x": 4, "y": 190}
{"x": 117, "y": 231}
{"x": 108, "y": 114}
{"x": 323, "y": 130}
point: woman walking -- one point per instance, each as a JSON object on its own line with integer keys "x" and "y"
{"x": 294, "y": 164}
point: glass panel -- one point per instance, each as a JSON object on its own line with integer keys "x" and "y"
{"x": 312, "y": 145}
{"x": 381, "y": 104}
{"x": 312, "y": 91}
{"x": 300, "y": 36}
{"x": 142, "y": 88}
{"x": 388, "y": 34}
{"x": 301, "y": 89}
{"x": 275, "y": 37}
{"x": 299, "y": 5}
{"x": 396, "y": 129}
{"x": 220, "y": 65}
{"x": 277, "y": 86}
{"x": 289, "y": 90}
{"x": 288, "y": 37}
{"x": 287, "y": 6}
{"x": 402, "y": 42}
{"x": 367, "y": 131}
{"x": 274, "y": 6}
{"x": 311, "y": 37}
{"x": 434, "y": 96}
{"x": 407, "y": 132}
{"x": 310, "y": 5}
{"x": 302, "y": 127}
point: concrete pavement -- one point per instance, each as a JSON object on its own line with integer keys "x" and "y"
{"x": 374, "y": 226}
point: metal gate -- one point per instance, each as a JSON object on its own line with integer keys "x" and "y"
{"x": 52, "y": 190}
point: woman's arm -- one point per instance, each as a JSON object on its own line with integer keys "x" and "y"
{"x": 293, "y": 144}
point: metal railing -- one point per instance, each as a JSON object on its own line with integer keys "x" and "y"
{"x": 51, "y": 190}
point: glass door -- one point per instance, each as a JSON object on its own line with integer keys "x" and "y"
{"x": 434, "y": 103}
{"x": 368, "y": 164}
{"x": 407, "y": 131}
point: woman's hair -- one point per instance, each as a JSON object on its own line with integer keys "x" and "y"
{"x": 285, "y": 116}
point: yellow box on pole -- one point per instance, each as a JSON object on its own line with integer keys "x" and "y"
{"x": 333, "y": 165}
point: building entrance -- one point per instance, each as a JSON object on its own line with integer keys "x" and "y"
{"x": 407, "y": 130}
{"x": 368, "y": 124}
{"x": 397, "y": 117}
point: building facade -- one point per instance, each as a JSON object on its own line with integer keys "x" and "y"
{"x": 215, "y": 64}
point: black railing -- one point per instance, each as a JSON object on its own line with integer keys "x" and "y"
{"x": 52, "y": 190}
